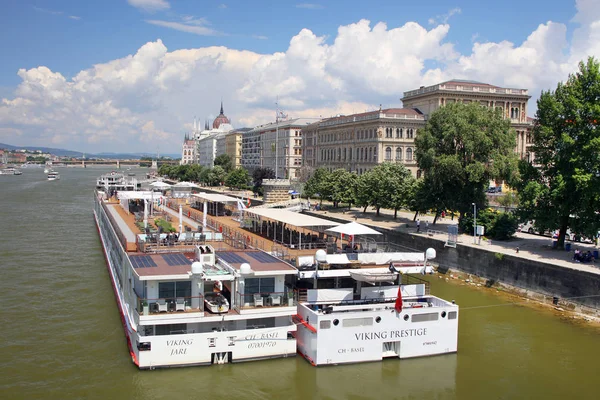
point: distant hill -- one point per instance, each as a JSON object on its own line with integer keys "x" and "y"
{"x": 78, "y": 154}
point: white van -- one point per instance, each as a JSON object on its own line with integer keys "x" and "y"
{"x": 527, "y": 227}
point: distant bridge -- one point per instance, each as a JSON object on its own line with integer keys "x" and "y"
{"x": 119, "y": 163}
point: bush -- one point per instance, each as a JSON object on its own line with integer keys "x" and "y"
{"x": 498, "y": 225}
{"x": 166, "y": 226}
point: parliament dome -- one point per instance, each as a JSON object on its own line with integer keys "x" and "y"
{"x": 221, "y": 119}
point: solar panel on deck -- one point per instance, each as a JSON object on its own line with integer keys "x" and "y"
{"x": 231, "y": 257}
{"x": 134, "y": 262}
{"x": 263, "y": 257}
{"x": 148, "y": 261}
{"x": 175, "y": 259}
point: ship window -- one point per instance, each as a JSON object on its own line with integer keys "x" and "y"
{"x": 335, "y": 321}
{"x": 425, "y": 317}
{"x": 378, "y": 319}
{"x": 258, "y": 285}
{"x": 325, "y": 324}
{"x": 353, "y": 322}
{"x": 406, "y": 317}
{"x": 443, "y": 314}
{"x": 452, "y": 315}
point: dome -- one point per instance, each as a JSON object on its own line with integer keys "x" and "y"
{"x": 221, "y": 119}
{"x": 245, "y": 269}
{"x": 197, "y": 268}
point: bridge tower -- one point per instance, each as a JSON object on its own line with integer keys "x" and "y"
{"x": 118, "y": 164}
{"x": 154, "y": 164}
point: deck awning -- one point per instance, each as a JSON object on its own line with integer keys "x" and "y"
{"x": 215, "y": 197}
{"x": 290, "y": 217}
{"x": 353, "y": 228}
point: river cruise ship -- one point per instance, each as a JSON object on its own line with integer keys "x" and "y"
{"x": 186, "y": 302}
{"x": 116, "y": 181}
{"x": 268, "y": 284}
{"x": 371, "y": 306}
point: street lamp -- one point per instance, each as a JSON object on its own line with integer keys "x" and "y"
{"x": 474, "y": 223}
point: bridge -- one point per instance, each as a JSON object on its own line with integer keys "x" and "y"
{"x": 118, "y": 163}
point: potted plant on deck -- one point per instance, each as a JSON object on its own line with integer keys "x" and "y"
{"x": 145, "y": 308}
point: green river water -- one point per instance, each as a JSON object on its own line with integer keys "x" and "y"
{"x": 61, "y": 335}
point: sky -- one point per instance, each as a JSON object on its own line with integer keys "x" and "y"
{"x": 131, "y": 75}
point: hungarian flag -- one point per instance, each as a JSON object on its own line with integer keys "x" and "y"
{"x": 248, "y": 201}
{"x": 398, "y": 305}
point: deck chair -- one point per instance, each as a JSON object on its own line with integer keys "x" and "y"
{"x": 258, "y": 300}
{"x": 162, "y": 305}
{"x": 275, "y": 299}
{"x": 180, "y": 304}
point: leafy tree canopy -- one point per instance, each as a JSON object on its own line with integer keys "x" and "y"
{"x": 562, "y": 187}
{"x": 224, "y": 161}
{"x": 460, "y": 149}
{"x": 238, "y": 178}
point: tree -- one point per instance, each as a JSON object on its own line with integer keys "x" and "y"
{"x": 461, "y": 148}
{"x": 238, "y": 178}
{"x": 561, "y": 189}
{"x": 342, "y": 185}
{"x": 257, "y": 178}
{"x": 224, "y": 161}
{"x": 318, "y": 184}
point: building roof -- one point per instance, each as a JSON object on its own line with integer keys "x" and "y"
{"x": 221, "y": 119}
{"x": 466, "y": 82}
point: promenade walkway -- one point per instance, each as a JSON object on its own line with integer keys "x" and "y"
{"x": 533, "y": 247}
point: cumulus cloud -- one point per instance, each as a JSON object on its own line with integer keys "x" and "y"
{"x": 150, "y": 5}
{"x": 147, "y": 99}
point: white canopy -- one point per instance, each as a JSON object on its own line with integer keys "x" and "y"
{"x": 136, "y": 195}
{"x": 160, "y": 185}
{"x": 215, "y": 197}
{"x": 353, "y": 228}
{"x": 186, "y": 185}
{"x": 290, "y": 217}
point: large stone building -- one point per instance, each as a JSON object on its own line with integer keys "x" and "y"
{"x": 233, "y": 146}
{"x": 359, "y": 142}
{"x": 188, "y": 153}
{"x": 511, "y": 102}
{"x": 277, "y": 146}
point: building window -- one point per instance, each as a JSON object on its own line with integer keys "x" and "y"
{"x": 409, "y": 154}
{"x": 398, "y": 133}
{"x": 399, "y": 153}
{"x": 388, "y": 154}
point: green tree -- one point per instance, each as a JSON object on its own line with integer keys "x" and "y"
{"x": 224, "y": 161}
{"x": 238, "y": 178}
{"x": 562, "y": 187}
{"x": 461, "y": 148}
{"x": 257, "y": 178}
{"x": 318, "y": 184}
{"x": 341, "y": 184}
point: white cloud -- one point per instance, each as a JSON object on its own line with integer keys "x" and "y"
{"x": 75, "y": 17}
{"x": 310, "y": 6}
{"x": 260, "y": 37}
{"x": 443, "y": 19}
{"x": 150, "y": 5}
{"x": 148, "y": 98}
{"x": 188, "y": 24}
{"x": 222, "y": 6}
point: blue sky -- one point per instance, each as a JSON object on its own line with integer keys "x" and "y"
{"x": 113, "y": 74}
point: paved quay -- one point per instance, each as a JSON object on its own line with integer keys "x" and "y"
{"x": 533, "y": 247}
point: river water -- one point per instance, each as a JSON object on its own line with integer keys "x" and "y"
{"x": 61, "y": 335}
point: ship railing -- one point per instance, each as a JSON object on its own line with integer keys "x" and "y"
{"x": 156, "y": 306}
{"x": 248, "y": 301}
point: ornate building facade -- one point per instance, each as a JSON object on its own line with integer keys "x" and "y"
{"x": 359, "y": 142}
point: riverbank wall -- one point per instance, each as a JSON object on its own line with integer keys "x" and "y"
{"x": 568, "y": 284}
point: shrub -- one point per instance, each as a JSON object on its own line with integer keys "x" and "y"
{"x": 498, "y": 225}
{"x": 166, "y": 226}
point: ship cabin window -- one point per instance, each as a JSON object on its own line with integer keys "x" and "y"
{"x": 263, "y": 286}
{"x": 452, "y": 315}
{"x": 173, "y": 290}
{"x": 171, "y": 329}
{"x": 325, "y": 324}
{"x": 425, "y": 317}
{"x": 353, "y": 322}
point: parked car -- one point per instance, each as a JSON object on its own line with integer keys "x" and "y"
{"x": 527, "y": 227}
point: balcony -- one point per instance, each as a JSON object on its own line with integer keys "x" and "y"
{"x": 169, "y": 305}
{"x": 262, "y": 300}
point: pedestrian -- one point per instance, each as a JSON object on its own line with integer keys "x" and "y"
{"x": 418, "y": 225}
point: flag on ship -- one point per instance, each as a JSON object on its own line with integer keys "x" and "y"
{"x": 398, "y": 305}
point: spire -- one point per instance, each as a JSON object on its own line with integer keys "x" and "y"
{"x": 195, "y": 125}
{"x": 221, "y": 106}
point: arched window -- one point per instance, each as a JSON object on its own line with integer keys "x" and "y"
{"x": 370, "y": 153}
{"x": 399, "y": 153}
{"x": 419, "y": 173}
{"x": 409, "y": 154}
{"x": 398, "y": 133}
{"x": 388, "y": 154}
{"x": 362, "y": 153}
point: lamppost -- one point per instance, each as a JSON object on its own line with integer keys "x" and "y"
{"x": 474, "y": 223}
